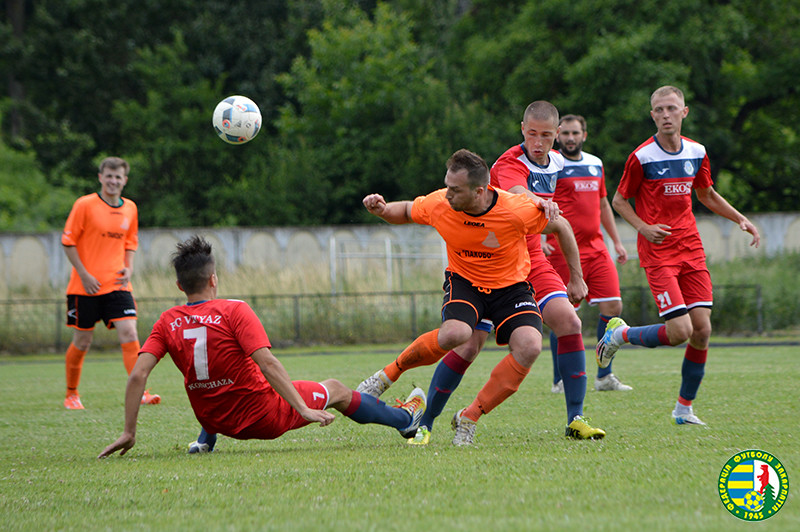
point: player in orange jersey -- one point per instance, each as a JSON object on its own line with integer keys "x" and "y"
{"x": 235, "y": 384}
{"x": 484, "y": 229}
{"x": 100, "y": 239}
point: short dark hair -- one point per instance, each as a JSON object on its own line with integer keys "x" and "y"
{"x": 476, "y": 167}
{"x": 114, "y": 162}
{"x": 194, "y": 264}
{"x": 574, "y": 118}
{"x": 541, "y": 110}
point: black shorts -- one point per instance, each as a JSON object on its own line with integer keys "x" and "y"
{"x": 508, "y": 308}
{"x": 84, "y": 311}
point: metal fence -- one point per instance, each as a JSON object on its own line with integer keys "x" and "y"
{"x": 373, "y": 317}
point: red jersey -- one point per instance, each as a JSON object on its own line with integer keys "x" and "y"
{"x": 211, "y": 343}
{"x": 102, "y": 233}
{"x": 580, "y": 186}
{"x": 661, "y": 182}
{"x": 487, "y": 249}
{"x": 515, "y": 168}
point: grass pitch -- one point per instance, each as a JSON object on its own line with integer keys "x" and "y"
{"x": 647, "y": 474}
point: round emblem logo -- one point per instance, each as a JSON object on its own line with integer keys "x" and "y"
{"x": 753, "y": 485}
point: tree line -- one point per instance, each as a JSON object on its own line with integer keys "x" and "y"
{"x": 364, "y": 96}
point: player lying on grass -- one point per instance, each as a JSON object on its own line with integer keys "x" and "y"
{"x": 235, "y": 384}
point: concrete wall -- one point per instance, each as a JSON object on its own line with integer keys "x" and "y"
{"x": 32, "y": 262}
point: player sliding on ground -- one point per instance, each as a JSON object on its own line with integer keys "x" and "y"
{"x": 235, "y": 384}
{"x": 484, "y": 229}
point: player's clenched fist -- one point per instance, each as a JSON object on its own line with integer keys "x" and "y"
{"x": 375, "y": 204}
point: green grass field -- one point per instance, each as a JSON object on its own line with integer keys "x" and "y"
{"x": 647, "y": 474}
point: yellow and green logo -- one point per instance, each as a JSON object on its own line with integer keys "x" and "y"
{"x": 753, "y": 485}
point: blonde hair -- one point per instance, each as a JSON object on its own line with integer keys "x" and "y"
{"x": 666, "y": 90}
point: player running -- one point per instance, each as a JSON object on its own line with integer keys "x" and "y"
{"x": 660, "y": 175}
{"x": 581, "y": 195}
{"x": 530, "y": 169}
{"x": 486, "y": 279}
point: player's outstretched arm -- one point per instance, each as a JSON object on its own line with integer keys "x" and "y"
{"x": 133, "y": 400}
{"x": 719, "y": 205}
{"x": 279, "y": 379}
{"x": 396, "y": 212}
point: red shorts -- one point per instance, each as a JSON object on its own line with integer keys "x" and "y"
{"x": 599, "y": 272}
{"x": 282, "y": 416}
{"x": 545, "y": 280}
{"x": 680, "y": 287}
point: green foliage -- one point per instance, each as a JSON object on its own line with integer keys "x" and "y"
{"x": 373, "y": 96}
{"x": 27, "y": 201}
{"x": 371, "y": 111}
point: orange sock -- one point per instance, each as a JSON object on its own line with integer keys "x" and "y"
{"x": 74, "y": 364}
{"x": 505, "y": 379}
{"x": 423, "y": 351}
{"x": 130, "y": 353}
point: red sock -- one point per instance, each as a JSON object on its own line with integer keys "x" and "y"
{"x": 503, "y": 382}
{"x": 423, "y": 351}
{"x": 74, "y": 365}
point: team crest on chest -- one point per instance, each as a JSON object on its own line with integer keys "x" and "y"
{"x": 688, "y": 167}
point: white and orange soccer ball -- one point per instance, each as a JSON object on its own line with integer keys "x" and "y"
{"x": 236, "y": 119}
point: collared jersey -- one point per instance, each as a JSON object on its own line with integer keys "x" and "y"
{"x": 211, "y": 343}
{"x": 661, "y": 182}
{"x": 102, "y": 234}
{"x": 486, "y": 249}
{"x": 515, "y": 168}
{"x": 579, "y": 187}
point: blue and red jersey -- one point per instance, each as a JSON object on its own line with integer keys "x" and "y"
{"x": 661, "y": 182}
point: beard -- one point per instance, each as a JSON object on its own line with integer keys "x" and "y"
{"x": 573, "y": 150}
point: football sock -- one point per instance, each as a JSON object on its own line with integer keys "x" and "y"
{"x": 646, "y": 335}
{"x": 572, "y": 366}
{"x": 423, "y": 351}
{"x": 601, "y": 330}
{"x": 209, "y": 438}
{"x": 445, "y": 380}
{"x": 504, "y": 380}
{"x": 694, "y": 364}
{"x": 364, "y": 408}
{"x": 553, "y": 353}
{"x": 130, "y": 353}
{"x": 74, "y": 365}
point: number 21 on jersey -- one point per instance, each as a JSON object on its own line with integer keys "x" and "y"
{"x": 664, "y": 300}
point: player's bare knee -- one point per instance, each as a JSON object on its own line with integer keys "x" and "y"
{"x": 454, "y": 334}
{"x": 561, "y": 318}
{"x": 339, "y": 395}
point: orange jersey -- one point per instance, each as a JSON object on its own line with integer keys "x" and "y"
{"x": 102, "y": 234}
{"x": 488, "y": 249}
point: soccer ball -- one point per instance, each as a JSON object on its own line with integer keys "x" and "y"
{"x": 236, "y": 120}
{"x": 753, "y": 501}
